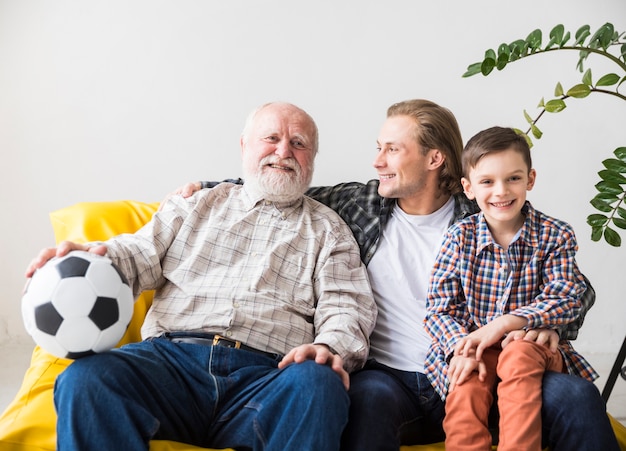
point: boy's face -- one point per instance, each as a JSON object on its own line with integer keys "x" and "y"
{"x": 499, "y": 183}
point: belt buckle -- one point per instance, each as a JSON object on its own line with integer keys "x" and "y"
{"x": 217, "y": 338}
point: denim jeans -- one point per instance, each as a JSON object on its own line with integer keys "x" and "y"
{"x": 389, "y": 408}
{"x": 574, "y": 415}
{"x": 208, "y": 396}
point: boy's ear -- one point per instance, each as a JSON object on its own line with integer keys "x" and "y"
{"x": 467, "y": 188}
{"x": 532, "y": 175}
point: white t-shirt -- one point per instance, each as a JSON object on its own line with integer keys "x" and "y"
{"x": 408, "y": 246}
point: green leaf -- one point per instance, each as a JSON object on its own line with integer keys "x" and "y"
{"x": 487, "y": 66}
{"x": 535, "y": 131}
{"x": 565, "y": 39}
{"x": 503, "y": 60}
{"x": 608, "y": 187}
{"x": 581, "y": 34}
{"x": 607, "y": 197}
{"x": 597, "y": 220}
{"x": 609, "y": 175}
{"x": 542, "y": 103}
{"x": 556, "y": 35}
{"x": 472, "y": 69}
{"x": 587, "y": 76}
{"x": 558, "y": 90}
{"x": 619, "y": 223}
{"x": 517, "y": 49}
{"x": 620, "y": 153}
{"x": 608, "y": 80}
{"x": 615, "y": 165}
{"x": 601, "y": 205}
{"x": 596, "y": 233}
{"x": 555, "y": 105}
{"x": 579, "y": 91}
{"x": 534, "y": 40}
{"x": 612, "y": 237}
{"x": 621, "y": 212}
{"x": 605, "y": 35}
{"x": 527, "y": 117}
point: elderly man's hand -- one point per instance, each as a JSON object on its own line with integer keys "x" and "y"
{"x": 322, "y": 355}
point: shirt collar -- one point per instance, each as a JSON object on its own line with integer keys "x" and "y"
{"x": 528, "y": 233}
{"x": 252, "y": 198}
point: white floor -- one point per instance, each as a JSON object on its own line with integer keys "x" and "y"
{"x": 15, "y": 359}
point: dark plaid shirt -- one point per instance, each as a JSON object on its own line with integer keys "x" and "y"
{"x": 367, "y": 213}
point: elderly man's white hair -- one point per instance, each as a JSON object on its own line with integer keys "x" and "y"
{"x": 250, "y": 121}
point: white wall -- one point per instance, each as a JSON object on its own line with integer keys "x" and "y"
{"x": 105, "y": 100}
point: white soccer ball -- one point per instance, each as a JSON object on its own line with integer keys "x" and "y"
{"x": 77, "y": 305}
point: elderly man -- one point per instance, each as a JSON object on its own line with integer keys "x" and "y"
{"x": 262, "y": 307}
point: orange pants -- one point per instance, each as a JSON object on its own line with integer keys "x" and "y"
{"x": 520, "y": 367}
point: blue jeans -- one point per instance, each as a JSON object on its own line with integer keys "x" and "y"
{"x": 389, "y": 408}
{"x": 574, "y": 416}
{"x": 208, "y": 396}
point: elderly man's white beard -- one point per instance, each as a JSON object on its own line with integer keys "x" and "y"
{"x": 277, "y": 186}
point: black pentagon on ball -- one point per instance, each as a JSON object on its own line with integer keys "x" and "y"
{"x": 72, "y": 267}
{"x": 47, "y": 318}
{"x": 105, "y": 312}
{"x": 78, "y": 355}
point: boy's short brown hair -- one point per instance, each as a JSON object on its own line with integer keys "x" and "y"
{"x": 493, "y": 140}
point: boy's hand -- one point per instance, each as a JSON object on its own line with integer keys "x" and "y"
{"x": 461, "y": 368}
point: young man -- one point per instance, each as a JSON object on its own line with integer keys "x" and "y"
{"x": 262, "y": 307}
{"x": 507, "y": 268}
{"x": 399, "y": 221}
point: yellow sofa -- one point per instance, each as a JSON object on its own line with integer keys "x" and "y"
{"x": 28, "y": 423}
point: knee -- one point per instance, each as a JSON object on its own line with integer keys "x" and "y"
{"x": 310, "y": 376}
{"x": 373, "y": 390}
{"x": 77, "y": 374}
{"x": 518, "y": 358}
{"x": 566, "y": 393}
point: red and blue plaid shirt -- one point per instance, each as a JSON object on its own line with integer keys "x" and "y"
{"x": 474, "y": 281}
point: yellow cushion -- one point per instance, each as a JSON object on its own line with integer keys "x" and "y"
{"x": 28, "y": 423}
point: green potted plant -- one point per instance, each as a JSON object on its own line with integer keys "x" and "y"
{"x": 610, "y": 200}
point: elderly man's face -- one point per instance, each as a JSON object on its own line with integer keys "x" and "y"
{"x": 278, "y": 152}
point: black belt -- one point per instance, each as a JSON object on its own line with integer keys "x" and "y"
{"x": 215, "y": 340}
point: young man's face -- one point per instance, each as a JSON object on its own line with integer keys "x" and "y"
{"x": 499, "y": 183}
{"x": 400, "y": 163}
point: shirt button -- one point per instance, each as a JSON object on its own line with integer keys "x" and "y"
{"x": 229, "y": 333}
{"x": 236, "y": 304}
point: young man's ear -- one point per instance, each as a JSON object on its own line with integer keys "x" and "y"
{"x": 467, "y": 188}
{"x": 436, "y": 159}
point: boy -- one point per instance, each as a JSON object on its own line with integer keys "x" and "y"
{"x": 506, "y": 268}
